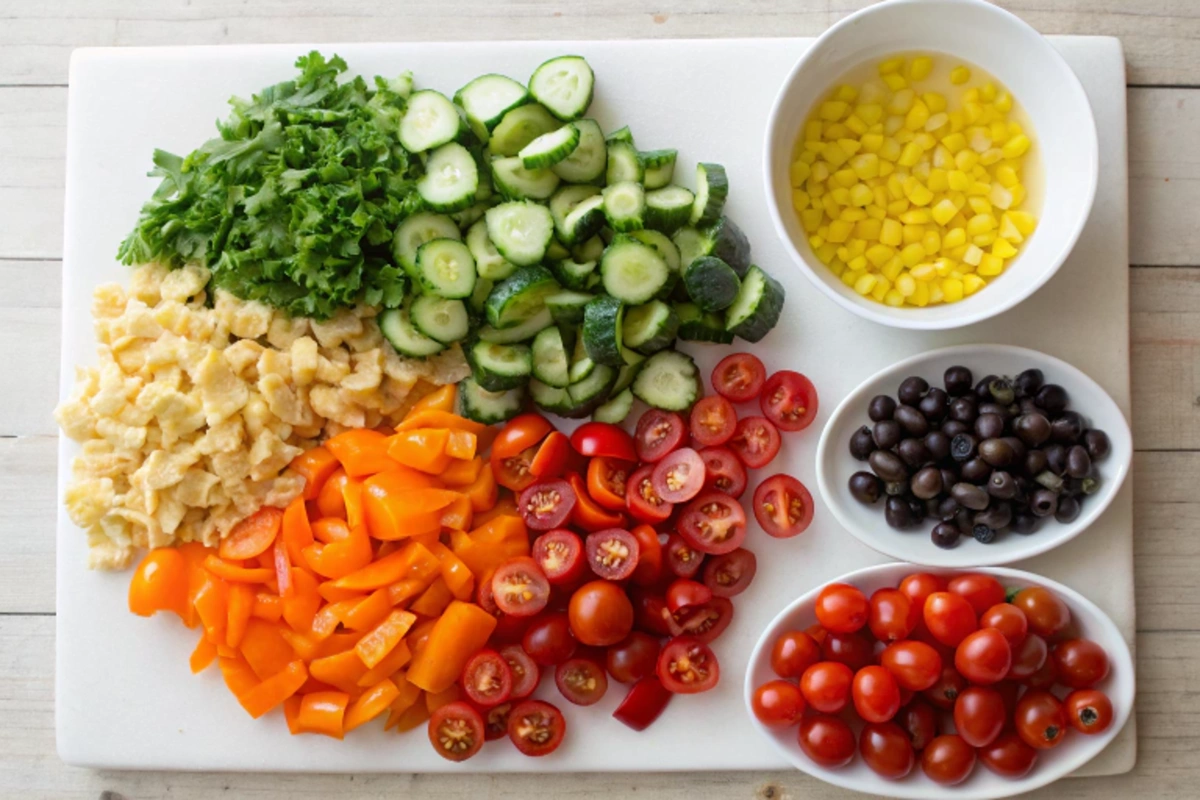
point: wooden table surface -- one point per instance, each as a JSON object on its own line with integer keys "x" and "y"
{"x": 1162, "y": 47}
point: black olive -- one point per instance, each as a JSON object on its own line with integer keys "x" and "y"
{"x": 1002, "y": 391}
{"x": 1028, "y": 405}
{"x": 932, "y": 508}
{"x": 887, "y": 434}
{"x": 865, "y": 487}
{"x": 1056, "y": 458}
{"x": 946, "y": 508}
{"x": 1033, "y": 429}
{"x": 1002, "y": 485}
{"x": 1071, "y": 487}
{"x": 949, "y": 478}
{"x": 1028, "y": 382}
{"x": 1079, "y": 463}
{"x": 914, "y": 453}
{"x": 975, "y": 471}
{"x": 944, "y": 535}
{"x": 983, "y": 534}
{"x": 1018, "y": 447}
{"x": 1052, "y": 397}
{"x": 1003, "y": 412}
{"x": 1097, "y": 444}
{"x": 1068, "y": 509}
{"x": 1067, "y": 428}
{"x": 1024, "y": 523}
{"x": 964, "y": 409}
{"x": 917, "y": 507}
{"x": 938, "y": 445}
{"x": 913, "y": 421}
{"x": 962, "y": 447}
{"x": 895, "y": 488}
{"x": 912, "y": 390}
{"x": 964, "y": 520}
{"x": 927, "y": 483}
{"x": 983, "y": 388}
{"x": 1043, "y": 503}
{"x": 862, "y": 443}
{"x": 934, "y": 404}
{"x": 969, "y": 496}
{"x": 953, "y": 427}
{"x": 989, "y": 426}
{"x": 881, "y": 407}
{"x": 998, "y": 515}
{"x": 897, "y": 513}
{"x": 958, "y": 380}
{"x": 888, "y": 466}
{"x": 1035, "y": 461}
{"x": 996, "y": 452}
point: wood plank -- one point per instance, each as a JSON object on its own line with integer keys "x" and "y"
{"x": 33, "y": 144}
{"x": 1168, "y": 717}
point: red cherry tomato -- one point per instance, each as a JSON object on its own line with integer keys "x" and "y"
{"x": 948, "y": 760}
{"x": 600, "y": 613}
{"x": 876, "y": 694}
{"x": 519, "y": 587}
{"x": 730, "y": 574}
{"x": 827, "y": 740}
{"x": 920, "y": 585}
{"x": 1080, "y": 663}
{"x": 581, "y": 680}
{"x": 1008, "y": 756}
{"x": 981, "y": 591}
{"x": 649, "y": 569}
{"x": 687, "y": 666}
{"x": 1008, "y": 619}
{"x": 456, "y": 731}
{"x": 679, "y": 476}
{"x": 525, "y": 672}
{"x": 546, "y": 504}
{"x": 560, "y": 555}
{"x": 783, "y": 506}
{"x": 649, "y": 612}
{"x": 551, "y": 457}
{"x": 983, "y": 657}
{"x": 886, "y": 749}
{"x": 778, "y": 704}
{"x": 739, "y": 377}
{"x": 842, "y": 608}
{"x": 1009, "y": 691}
{"x": 658, "y": 433}
{"x": 1045, "y": 677}
{"x": 793, "y": 653}
{"x": 712, "y": 421}
{"x": 606, "y": 481}
{"x": 723, "y": 471}
{"x": 514, "y": 449}
{"x": 704, "y": 622}
{"x": 1028, "y": 658}
{"x": 1088, "y": 711}
{"x": 1048, "y": 615}
{"x": 683, "y": 560}
{"x": 916, "y": 665}
{"x": 979, "y": 715}
{"x": 536, "y": 728}
{"x": 605, "y": 440}
{"x": 826, "y": 686}
{"x": 587, "y": 514}
{"x": 495, "y": 720}
{"x": 855, "y": 650}
{"x": 548, "y": 639}
{"x": 645, "y": 702}
{"x": 946, "y": 688}
{"x": 633, "y": 658}
{"x": 713, "y": 523}
{"x": 1040, "y": 720}
{"x": 789, "y": 400}
{"x": 643, "y": 500}
{"x": 919, "y": 721}
{"x": 755, "y": 441}
{"x": 891, "y": 617}
{"x": 949, "y": 617}
{"x": 684, "y": 592}
{"x": 487, "y": 679}
{"x": 612, "y": 554}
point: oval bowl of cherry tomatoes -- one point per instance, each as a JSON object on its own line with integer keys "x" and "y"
{"x": 917, "y": 682}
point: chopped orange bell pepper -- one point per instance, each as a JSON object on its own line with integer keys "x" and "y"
{"x": 212, "y": 606}
{"x": 238, "y": 675}
{"x": 433, "y": 600}
{"x": 282, "y": 564}
{"x": 421, "y": 448}
{"x": 338, "y": 643}
{"x": 371, "y": 704}
{"x": 253, "y": 535}
{"x": 491, "y": 544}
{"x": 316, "y": 465}
{"x": 405, "y": 590}
{"x": 483, "y": 491}
{"x": 458, "y": 577}
{"x": 462, "y": 473}
{"x": 330, "y": 617}
{"x": 330, "y": 529}
{"x": 369, "y": 612}
{"x": 204, "y": 654}
{"x": 331, "y": 501}
{"x": 274, "y": 690}
{"x": 297, "y": 533}
{"x": 267, "y": 606}
{"x": 331, "y": 593}
{"x": 459, "y": 514}
{"x": 291, "y": 713}
{"x": 431, "y": 418}
{"x": 419, "y": 635}
{"x": 323, "y": 712}
{"x": 194, "y": 554}
{"x": 352, "y": 496}
{"x": 406, "y": 699}
{"x": 265, "y": 648}
{"x": 394, "y": 661}
{"x": 241, "y": 607}
{"x": 361, "y": 452}
{"x": 301, "y": 605}
{"x": 236, "y": 574}
{"x": 505, "y": 506}
{"x": 412, "y": 561}
{"x": 384, "y": 637}
{"x": 341, "y": 670}
{"x": 160, "y": 583}
{"x": 340, "y": 558}
{"x": 461, "y": 445}
{"x": 457, "y": 635}
{"x": 389, "y": 514}
{"x": 435, "y": 701}
{"x": 441, "y": 399}
{"x": 414, "y": 716}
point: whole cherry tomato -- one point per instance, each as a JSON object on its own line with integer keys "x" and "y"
{"x": 981, "y": 591}
{"x": 979, "y": 715}
{"x": 876, "y": 694}
{"x": 915, "y": 665}
{"x": 548, "y": 639}
{"x": 920, "y": 723}
{"x": 842, "y": 608}
{"x": 826, "y": 686}
{"x": 1008, "y": 619}
{"x": 633, "y": 658}
{"x": 1048, "y": 615}
{"x": 855, "y": 650}
{"x": 948, "y": 760}
{"x": 1028, "y": 657}
{"x": 600, "y": 613}
{"x": 1088, "y": 711}
{"x": 892, "y": 615}
{"x": 886, "y": 749}
{"x": 827, "y": 740}
{"x": 1080, "y": 663}
{"x": 778, "y": 704}
{"x": 949, "y": 617}
{"x": 1008, "y": 756}
{"x": 984, "y": 657}
{"x": 920, "y": 585}
{"x": 793, "y": 653}
{"x": 1045, "y": 677}
{"x": 1040, "y": 719}
{"x": 945, "y": 691}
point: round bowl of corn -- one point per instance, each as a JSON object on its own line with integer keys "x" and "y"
{"x": 930, "y": 163}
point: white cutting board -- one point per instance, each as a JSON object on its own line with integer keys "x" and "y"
{"x": 125, "y": 697}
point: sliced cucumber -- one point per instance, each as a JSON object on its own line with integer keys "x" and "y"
{"x": 397, "y": 328}
{"x": 518, "y": 333}
{"x": 567, "y": 307}
{"x": 591, "y": 250}
{"x": 443, "y": 320}
{"x": 650, "y": 327}
{"x": 564, "y": 85}
{"x": 416, "y": 231}
{"x": 711, "y": 283}
{"x": 700, "y": 326}
{"x": 577, "y": 212}
{"x": 451, "y": 178}
{"x": 626, "y": 374}
{"x": 757, "y": 307}
{"x": 556, "y": 251}
{"x": 692, "y": 243}
{"x": 603, "y": 320}
{"x": 430, "y": 120}
{"x": 668, "y": 380}
{"x": 488, "y": 261}
{"x": 590, "y": 392}
{"x": 487, "y": 99}
{"x": 586, "y": 162}
{"x": 519, "y": 127}
{"x": 625, "y": 206}
{"x": 668, "y": 209}
{"x": 730, "y": 245}
{"x": 711, "y": 189}
{"x": 521, "y": 230}
{"x": 661, "y": 243}
{"x": 471, "y": 214}
{"x": 581, "y": 363}
{"x": 573, "y": 274}
{"x": 550, "y": 148}
{"x": 515, "y": 182}
{"x": 478, "y": 298}
{"x": 550, "y": 364}
{"x": 445, "y": 268}
{"x": 520, "y": 297}
{"x": 490, "y": 408}
{"x": 556, "y": 400}
{"x": 621, "y": 134}
{"x": 632, "y": 271}
{"x": 623, "y": 163}
{"x": 659, "y": 166}
{"x": 615, "y": 409}
{"x": 499, "y": 367}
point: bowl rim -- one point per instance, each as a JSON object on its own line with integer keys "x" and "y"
{"x": 1039, "y": 544}
{"x": 868, "y": 309}
{"x": 1122, "y": 660}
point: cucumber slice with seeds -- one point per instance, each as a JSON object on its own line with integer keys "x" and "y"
{"x": 651, "y": 327}
{"x": 577, "y": 213}
{"x": 663, "y": 245}
{"x": 518, "y": 333}
{"x": 440, "y": 319}
{"x": 712, "y": 186}
{"x": 711, "y": 283}
{"x": 591, "y": 250}
{"x": 757, "y": 308}
{"x": 626, "y": 374}
{"x": 615, "y": 409}
{"x": 489, "y": 263}
{"x": 581, "y": 363}
{"x": 499, "y": 367}
{"x": 632, "y": 271}
{"x": 478, "y": 298}
{"x": 625, "y": 206}
{"x": 451, "y": 178}
{"x": 668, "y": 380}
{"x": 603, "y": 320}
{"x": 550, "y": 148}
{"x": 519, "y": 127}
{"x": 489, "y": 408}
{"x": 416, "y": 231}
{"x": 445, "y": 268}
{"x": 589, "y": 393}
{"x": 587, "y": 161}
{"x": 669, "y": 208}
{"x": 515, "y": 182}
{"x": 623, "y": 163}
{"x": 555, "y": 251}
{"x": 430, "y": 120}
{"x": 397, "y": 328}
{"x": 556, "y": 400}
{"x": 520, "y": 230}
{"x": 520, "y": 297}
{"x": 572, "y": 274}
{"x": 567, "y": 307}
{"x": 550, "y": 363}
{"x": 692, "y": 244}
{"x": 564, "y": 85}
{"x": 659, "y": 166}
{"x": 487, "y": 99}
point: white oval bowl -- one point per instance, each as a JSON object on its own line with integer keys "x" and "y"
{"x": 835, "y": 465}
{"x": 1075, "y": 751}
{"x": 1018, "y": 57}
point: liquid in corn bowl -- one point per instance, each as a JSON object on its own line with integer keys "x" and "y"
{"x": 930, "y": 163}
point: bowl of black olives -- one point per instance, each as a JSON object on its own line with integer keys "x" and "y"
{"x": 972, "y": 456}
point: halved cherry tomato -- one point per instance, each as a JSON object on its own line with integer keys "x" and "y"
{"x": 606, "y": 479}
{"x": 783, "y": 506}
{"x": 548, "y": 639}
{"x": 685, "y": 592}
{"x": 713, "y": 523}
{"x": 512, "y": 472}
{"x": 612, "y": 554}
{"x": 495, "y": 721}
{"x": 551, "y": 457}
{"x": 729, "y": 575}
{"x": 633, "y": 658}
{"x": 456, "y": 731}
{"x": 723, "y": 471}
{"x": 649, "y": 568}
{"x": 643, "y": 500}
{"x": 644, "y": 703}
{"x": 525, "y": 672}
{"x": 755, "y": 441}
{"x": 519, "y": 587}
{"x": 683, "y": 559}
{"x": 739, "y": 377}
{"x": 536, "y": 728}
{"x": 581, "y": 680}
{"x": 487, "y": 679}
{"x": 778, "y": 704}
{"x": 712, "y": 421}
{"x": 649, "y": 612}
{"x": 519, "y": 434}
{"x": 593, "y": 439}
{"x": 658, "y": 433}
{"x": 679, "y": 476}
{"x": 600, "y": 613}
{"x": 587, "y": 514}
{"x": 688, "y": 666}
{"x": 546, "y": 504}
{"x": 827, "y": 740}
{"x": 789, "y": 400}
{"x": 704, "y": 622}
{"x": 560, "y": 555}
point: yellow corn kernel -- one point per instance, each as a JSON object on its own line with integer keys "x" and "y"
{"x": 1016, "y": 146}
{"x": 958, "y": 121}
{"x": 800, "y": 199}
{"x": 835, "y": 131}
{"x": 972, "y": 256}
{"x": 845, "y": 178}
{"x": 895, "y": 82}
{"x": 852, "y": 215}
{"x": 898, "y": 207}
{"x": 920, "y": 298}
{"x": 936, "y": 295}
{"x": 849, "y": 146}
{"x": 841, "y": 196}
{"x": 932, "y": 242}
{"x": 846, "y": 93}
{"x": 891, "y": 149}
{"x": 912, "y": 254}
{"x": 869, "y": 113}
{"x": 1000, "y": 197}
{"x": 850, "y": 277}
{"x": 820, "y": 172}
{"x": 833, "y": 110}
{"x": 915, "y": 216}
{"x": 882, "y": 286}
{"x": 865, "y": 166}
{"x": 939, "y": 180}
{"x": 919, "y": 68}
{"x": 809, "y": 156}
{"x": 840, "y": 230}
{"x": 918, "y": 194}
{"x": 936, "y": 102}
{"x": 966, "y": 159}
{"x": 886, "y": 168}
{"x": 812, "y": 130}
{"x": 890, "y": 65}
{"x": 993, "y": 155}
{"x": 816, "y": 240}
{"x": 861, "y": 196}
{"x": 960, "y": 75}
{"x": 906, "y": 284}
{"x": 1002, "y": 248}
{"x": 959, "y": 181}
{"x": 843, "y": 252}
{"x": 868, "y": 229}
{"x": 956, "y": 237}
{"x": 893, "y": 125}
{"x": 1014, "y": 128}
{"x": 972, "y": 284}
{"x": 892, "y": 269}
{"x": 811, "y": 219}
{"x": 799, "y": 172}
{"x": 880, "y": 255}
{"x": 1018, "y": 194}
{"x": 978, "y": 139}
{"x": 858, "y": 264}
{"x": 924, "y": 271}
{"x": 877, "y": 212}
{"x": 826, "y": 252}
{"x": 990, "y": 265}
{"x": 891, "y": 233}
{"x": 943, "y": 212}
{"x": 917, "y": 116}
{"x": 901, "y": 102}
{"x": 988, "y": 92}
{"x": 1006, "y": 175}
{"x": 980, "y": 205}
{"x": 857, "y": 125}
{"x": 893, "y": 298}
{"x": 979, "y": 189}
{"x": 1009, "y": 231}
{"x": 1003, "y": 102}
{"x": 943, "y": 267}
{"x": 911, "y": 155}
{"x": 832, "y": 209}
{"x": 981, "y": 223}
{"x": 872, "y": 142}
{"x": 998, "y": 131}
{"x": 952, "y": 289}
{"x": 835, "y": 155}
{"x": 943, "y": 159}
{"x": 955, "y": 142}
{"x": 865, "y": 284}
{"x": 936, "y": 121}
{"x": 837, "y": 267}
{"x": 973, "y": 112}
{"x": 985, "y": 239}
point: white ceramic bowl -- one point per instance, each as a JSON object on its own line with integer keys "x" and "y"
{"x": 835, "y": 465}
{"x": 1075, "y": 751}
{"x": 1016, "y": 55}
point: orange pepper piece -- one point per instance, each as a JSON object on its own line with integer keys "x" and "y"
{"x": 236, "y": 574}
{"x": 338, "y": 643}
{"x": 433, "y": 600}
{"x": 456, "y": 636}
{"x": 369, "y": 612}
{"x": 330, "y": 617}
{"x": 389, "y": 666}
{"x": 442, "y": 399}
{"x": 238, "y": 675}
{"x": 204, "y": 654}
{"x": 331, "y": 500}
{"x": 491, "y": 544}
{"x": 282, "y": 564}
{"x": 413, "y": 561}
{"x": 322, "y": 712}
{"x": 341, "y": 670}
{"x": 330, "y": 529}
{"x": 461, "y": 445}
{"x": 423, "y": 449}
{"x": 316, "y": 465}
{"x": 459, "y": 514}
{"x": 291, "y": 713}
{"x": 253, "y": 535}
{"x": 405, "y": 700}
{"x": 268, "y": 606}
{"x": 212, "y": 607}
{"x": 302, "y": 604}
{"x": 352, "y": 496}
{"x": 505, "y": 506}
{"x": 419, "y": 635}
{"x": 241, "y": 606}
{"x": 380, "y": 641}
{"x": 332, "y": 594}
{"x": 455, "y": 573}
{"x": 414, "y": 716}
{"x": 302, "y": 644}
{"x": 361, "y": 452}
{"x": 274, "y": 690}
{"x": 265, "y": 649}
{"x": 297, "y": 532}
{"x": 435, "y": 701}
{"x": 194, "y": 554}
{"x": 405, "y": 590}
{"x": 483, "y": 492}
{"x": 462, "y": 473}
{"x": 339, "y": 558}
{"x": 433, "y": 418}
{"x": 389, "y": 517}
{"x": 371, "y": 704}
{"x": 160, "y": 583}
